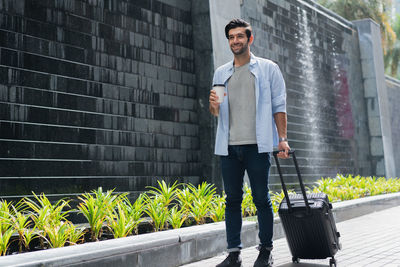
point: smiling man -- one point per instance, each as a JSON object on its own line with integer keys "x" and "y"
{"x": 251, "y": 121}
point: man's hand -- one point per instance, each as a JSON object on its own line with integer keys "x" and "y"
{"x": 284, "y": 148}
{"x": 214, "y": 105}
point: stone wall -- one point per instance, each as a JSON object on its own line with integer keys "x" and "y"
{"x": 376, "y": 97}
{"x": 393, "y": 91}
{"x": 115, "y": 93}
{"x": 96, "y": 93}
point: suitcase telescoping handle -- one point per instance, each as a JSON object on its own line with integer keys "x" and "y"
{"x": 303, "y": 191}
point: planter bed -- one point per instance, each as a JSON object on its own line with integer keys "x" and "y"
{"x": 175, "y": 247}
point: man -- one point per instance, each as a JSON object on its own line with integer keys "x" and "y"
{"x": 251, "y": 121}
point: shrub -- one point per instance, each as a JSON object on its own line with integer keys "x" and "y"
{"x": 167, "y": 206}
{"x": 348, "y": 187}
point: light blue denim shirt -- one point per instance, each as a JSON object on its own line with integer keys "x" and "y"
{"x": 270, "y": 98}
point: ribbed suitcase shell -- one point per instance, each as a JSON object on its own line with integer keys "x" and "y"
{"x": 313, "y": 234}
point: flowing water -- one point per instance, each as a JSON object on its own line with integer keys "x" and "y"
{"x": 310, "y": 81}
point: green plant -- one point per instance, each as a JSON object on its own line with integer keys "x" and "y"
{"x": 199, "y": 209}
{"x": 393, "y": 185}
{"x": 188, "y": 204}
{"x": 28, "y": 235}
{"x": 136, "y": 210}
{"x": 45, "y": 212}
{"x": 204, "y": 191}
{"x": 217, "y": 208}
{"x": 166, "y": 192}
{"x": 5, "y": 216}
{"x": 5, "y": 240}
{"x": 40, "y": 220}
{"x": 176, "y": 217}
{"x": 185, "y": 197}
{"x": 20, "y": 223}
{"x": 56, "y": 235}
{"x": 6, "y": 229}
{"x": 94, "y": 214}
{"x": 121, "y": 223}
{"x": 324, "y": 184}
{"x": 157, "y": 211}
{"x": 75, "y": 234}
{"x": 248, "y": 206}
{"x": 351, "y": 187}
{"x": 96, "y": 206}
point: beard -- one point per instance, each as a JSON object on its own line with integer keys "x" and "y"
{"x": 240, "y": 50}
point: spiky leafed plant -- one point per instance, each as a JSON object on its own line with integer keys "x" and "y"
{"x": 217, "y": 208}
{"x": 201, "y": 199}
{"x": 134, "y": 211}
{"x": 75, "y": 234}
{"x": 6, "y": 231}
{"x": 5, "y": 240}
{"x": 40, "y": 219}
{"x": 184, "y": 197}
{"x": 29, "y": 234}
{"x": 393, "y": 185}
{"x": 108, "y": 199}
{"x": 166, "y": 192}
{"x": 157, "y": 211}
{"x": 176, "y": 217}
{"x": 122, "y": 222}
{"x": 199, "y": 210}
{"x": 56, "y": 235}
{"x": 21, "y": 223}
{"x": 5, "y": 216}
{"x": 94, "y": 214}
{"x": 204, "y": 191}
{"x": 248, "y": 206}
{"x": 96, "y": 206}
{"x": 46, "y": 213}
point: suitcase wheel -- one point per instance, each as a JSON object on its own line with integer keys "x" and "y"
{"x": 295, "y": 260}
{"x": 332, "y": 262}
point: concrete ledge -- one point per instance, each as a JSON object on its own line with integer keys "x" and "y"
{"x": 176, "y": 247}
{"x": 347, "y": 210}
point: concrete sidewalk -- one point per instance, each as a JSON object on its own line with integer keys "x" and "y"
{"x": 371, "y": 240}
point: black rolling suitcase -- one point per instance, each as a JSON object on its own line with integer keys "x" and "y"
{"x": 308, "y": 222}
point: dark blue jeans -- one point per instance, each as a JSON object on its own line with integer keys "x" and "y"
{"x": 239, "y": 159}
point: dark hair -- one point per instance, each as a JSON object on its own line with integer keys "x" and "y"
{"x": 235, "y": 23}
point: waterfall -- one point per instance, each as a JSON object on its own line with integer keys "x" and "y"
{"x": 309, "y": 81}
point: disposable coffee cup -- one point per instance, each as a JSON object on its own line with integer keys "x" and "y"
{"x": 220, "y": 91}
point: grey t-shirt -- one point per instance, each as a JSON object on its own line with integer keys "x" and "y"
{"x": 242, "y": 107}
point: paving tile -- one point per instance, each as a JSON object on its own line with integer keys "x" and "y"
{"x": 371, "y": 240}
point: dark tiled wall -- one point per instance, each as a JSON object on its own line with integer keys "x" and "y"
{"x": 96, "y": 93}
{"x": 319, "y": 56}
{"x": 393, "y": 90}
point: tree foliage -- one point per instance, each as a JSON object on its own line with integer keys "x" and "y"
{"x": 392, "y": 57}
{"x": 377, "y": 10}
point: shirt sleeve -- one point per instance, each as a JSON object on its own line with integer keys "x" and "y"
{"x": 278, "y": 91}
{"x": 214, "y": 78}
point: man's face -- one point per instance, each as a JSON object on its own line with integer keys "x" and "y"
{"x": 238, "y": 40}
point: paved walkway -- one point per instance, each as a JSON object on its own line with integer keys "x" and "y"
{"x": 372, "y": 240}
